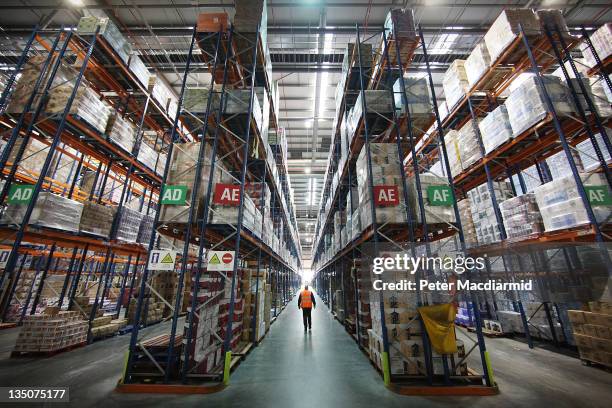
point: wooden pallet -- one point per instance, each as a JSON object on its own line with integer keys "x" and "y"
{"x": 488, "y": 333}
{"x": 51, "y": 353}
{"x": 7, "y": 325}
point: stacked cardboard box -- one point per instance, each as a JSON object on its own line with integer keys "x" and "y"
{"x": 467, "y": 224}
{"x": 469, "y": 144}
{"x": 97, "y": 219}
{"x": 455, "y": 83}
{"x": 155, "y": 311}
{"x": 24, "y": 86}
{"x": 483, "y": 212}
{"x": 112, "y": 190}
{"x": 121, "y": 131}
{"x": 510, "y": 321}
{"x": 128, "y": 224}
{"x": 561, "y": 205}
{"x": 103, "y": 327}
{"x": 185, "y": 157}
{"x": 51, "y": 332}
{"x": 526, "y": 104}
{"x": 593, "y": 332}
{"x": 385, "y": 172}
{"x": 86, "y": 105}
{"x": 602, "y": 42}
{"x": 495, "y": 129}
{"x": 164, "y": 95}
{"x": 418, "y": 99}
{"x": 237, "y": 102}
{"x": 521, "y": 216}
{"x": 505, "y": 29}
{"x": 434, "y": 213}
{"x": 109, "y": 31}
{"x": 50, "y": 210}
{"x": 154, "y": 160}
{"x": 195, "y": 100}
{"x": 33, "y": 156}
{"x": 378, "y": 103}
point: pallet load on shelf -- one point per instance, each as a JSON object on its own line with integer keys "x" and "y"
{"x": 20, "y": 292}
{"x": 561, "y": 206}
{"x": 51, "y": 331}
{"x": 50, "y": 210}
{"x": 483, "y": 212}
{"x": 182, "y": 174}
{"x": 558, "y": 164}
{"x": 263, "y": 100}
{"x": 103, "y": 327}
{"x": 433, "y": 189}
{"x": 455, "y": 83}
{"x": 538, "y": 322}
{"x": 464, "y": 314}
{"x": 477, "y": 63}
{"x": 213, "y": 22}
{"x": 399, "y": 26}
{"x": 505, "y": 29}
{"x": 155, "y": 310}
{"x": 154, "y": 160}
{"x": 467, "y": 223}
{"x": 602, "y": 42}
{"x": 386, "y": 178}
{"x": 32, "y": 159}
{"x": 237, "y": 102}
{"x": 495, "y": 129}
{"x": 128, "y": 224}
{"x": 121, "y": 131}
{"x": 588, "y": 157}
{"x": 109, "y": 31}
{"x": 145, "y": 229}
{"x": 596, "y": 92}
{"x": 468, "y": 144}
{"x": 592, "y": 332}
{"x": 195, "y": 99}
{"x": 338, "y": 305}
{"x": 521, "y": 216}
{"x": 97, "y": 219}
{"x": 24, "y": 85}
{"x": 452, "y": 152}
{"x": 259, "y": 192}
{"x": 63, "y": 165}
{"x": 164, "y": 95}
{"x": 87, "y": 104}
{"x": 418, "y": 98}
{"x": 82, "y": 305}
{"x": 526, "y": 104}
{"x": 112, "y": 191}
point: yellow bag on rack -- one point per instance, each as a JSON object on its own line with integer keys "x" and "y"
{"x": 439, "y": 323}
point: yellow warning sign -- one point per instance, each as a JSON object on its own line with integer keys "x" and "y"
{"x": 214, "y": 260}
{"x": 167, "y": 259}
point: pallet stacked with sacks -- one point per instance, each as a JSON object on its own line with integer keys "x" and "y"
{"x": 107, "y": 159}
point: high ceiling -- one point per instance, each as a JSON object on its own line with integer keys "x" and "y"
{"x": 306, "y": 40}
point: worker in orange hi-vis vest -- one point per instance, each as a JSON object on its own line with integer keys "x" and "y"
{"x": 306, "y": 301}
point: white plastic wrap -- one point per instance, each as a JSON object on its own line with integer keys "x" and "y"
{"x": 495, "y": 129}
{"x": 477, "y": 63}
{"x": 468, "y": 144}
{"x": 434, "y": 214}
{"x": 452, "y": 151}
{"x": 602, "y": 42}
{"x": 128, "y": 225}
{"x": 417, "y": 95}
{"x": 455, "y": 83}
{"x": 97, "y": 219}
{"x": 521, "y": 216}
{"x": 588, "y": 157}
{"x": 87, "y": 104}
{"x": 506, "y": 28}
{"x": 50, "y": 210}
{"x": 122, "y": 132}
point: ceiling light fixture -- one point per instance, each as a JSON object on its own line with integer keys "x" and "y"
{"x": 76, "y": 3}
{"x": 307, "y": 170}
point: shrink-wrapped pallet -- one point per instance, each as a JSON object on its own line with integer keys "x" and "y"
{"x": 505, "y": 29}
{"x": 50, "y": 210}
{"x": 483, "y": 213}
{"x": 146, "y": 229}
{"x": 521, "y": 216}
{"x": 140, "y": 70}
{"x": 352, "y": 54}
{"x": 467, "y": 224}
{"x": 195, "y": 99}
{"x": 562, "y": 207}
{"x": 495, "y": 129}
{"x": 122, "y": 132}
{"x": 455, "y": 83}
{"x": 602, "y": 42}
{"x": 86, "y": 104}
{"x": 477, "y": 63}
{"x": 434, "y": 214}
{"x": 418, "y": 96}
{"x": 109, "y": 31}
{"x": 468, "y": 144}
{"x": 97, "y": 219}
{"x": 152, "y": 159}
{"x": 588, "y": 157}
{"x": 526, "y": 104}
{"x": 452, "y": 152}
{"x": 237, "y": 102}
{"x": 128, "y": 224}
{"x": 559, "y": 166}
{"x": 399, "y": 25}
{"x": 378, "y": 103}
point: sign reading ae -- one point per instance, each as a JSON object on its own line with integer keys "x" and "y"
{"x": 386, "y": 196}
{"x": 174, "y": 195}
{"x": 598, "y": 195}
{"x": 162, "y": 260}
{"x": 20, "y": 193}
{"x": 221, "y": 260}
{"x": 440, "y": 196}
{"x": 227, "y": 194}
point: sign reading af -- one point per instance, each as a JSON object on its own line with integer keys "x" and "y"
{"x": 227, "y": 194}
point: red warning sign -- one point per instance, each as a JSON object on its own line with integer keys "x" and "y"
{"x": 227, "y": 258}
{"x": 227, "y": 194}
{"x": 386, "y": 196}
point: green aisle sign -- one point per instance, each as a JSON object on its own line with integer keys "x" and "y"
{"x": 174, "y": 195}
{"x": 20, "y": 194}
{"x": 440, "y": 195}
{"x": 598, "y": 195}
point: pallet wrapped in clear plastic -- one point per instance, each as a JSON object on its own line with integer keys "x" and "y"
{"x": 559, "y": 166}
{"x": 97, "y": 219}
{"x": 86, "y": 104}
{"x": 588, "y": 157}
{"x": 417, "y": 94}
{"x": 477, "y": 63}
{"x": 602, "y": 42}
{"x": 467, "y": 224}
{"x": 365, "y": 49}
{"x": 452, "y": 152}
{"x": 505, "y": 29}
{"x": 195, "y": 100}
{"x": 562, "y": 207}
{"x": 595, "y": 91}
{"x": 109, "y": 31}
{"x": 50, "y": 210}
{"x": 434, "y": 214}
{"x": 455, "y": 83}
{"x": 33, "y": 157}
{"x": 468, "y": 144}
{"x": 140, "y": 70}
{"x": 128, "y": 225}
{"x": 521, "y": 216}
{"x": 121, "y": 131}
{"x": 495, "y": 129}
{"x": 154, "y": 160}
{"x": 378, "y": 103}
{"x": 146, "y": 229}
{"x": 399, "y": 25}
{"x": 526, "y": 104}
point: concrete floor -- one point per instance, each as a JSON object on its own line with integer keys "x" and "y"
{"x": 323, "y": 368}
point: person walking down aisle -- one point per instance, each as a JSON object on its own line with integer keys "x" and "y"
{"x": 306, "y": 301}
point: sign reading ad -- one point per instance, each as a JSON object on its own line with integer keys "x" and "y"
{"x": 227, "y": 194}
{"x": 386, "y": 196}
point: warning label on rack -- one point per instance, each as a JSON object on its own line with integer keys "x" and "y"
{"x": 162, "y": 260}
{"x": 220, "y": 260}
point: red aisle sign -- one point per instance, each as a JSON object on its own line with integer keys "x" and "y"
{"x": 227, "y": 194}
{"x": 386, "y": 196}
